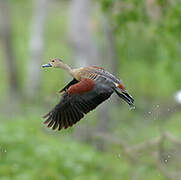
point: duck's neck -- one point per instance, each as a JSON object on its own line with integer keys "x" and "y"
{"x": 67, "y": 68}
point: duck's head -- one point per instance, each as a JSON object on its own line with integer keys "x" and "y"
{"x": 54, "y": 63}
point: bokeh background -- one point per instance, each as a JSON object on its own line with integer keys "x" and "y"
{"x": 138, "y": 41}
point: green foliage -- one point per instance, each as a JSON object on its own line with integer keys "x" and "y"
{"x": 149, "y": 47}
{"x": 148, "y": 54}
{"x": 27, "y": 152}
{"x": 30, "y": 151}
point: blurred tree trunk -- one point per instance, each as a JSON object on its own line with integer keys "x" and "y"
{"x": 85, "y": 52}
{"x": 110, "y": 54}
{"x": 153, "y": 10}
{"x": 6, "y": 35}
{"x": 36, "y": 47}
{"x": 84, "y": 48}
{"x": 110, "y": 63}
{"x": 80, "y": 34}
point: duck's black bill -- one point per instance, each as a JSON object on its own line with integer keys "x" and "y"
{"x": 126, "y": 97}
{"x": 46, "y": 65}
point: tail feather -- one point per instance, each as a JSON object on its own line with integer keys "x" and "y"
{"x": 125, "y": 96}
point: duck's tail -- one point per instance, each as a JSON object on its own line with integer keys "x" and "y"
{"x": 125, "y": 96}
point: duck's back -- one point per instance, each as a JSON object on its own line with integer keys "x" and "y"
{"x": 97, "y": 74}
{"x": 102, "y": 72}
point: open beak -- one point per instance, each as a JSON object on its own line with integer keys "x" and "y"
{"x": 46, "y": 65}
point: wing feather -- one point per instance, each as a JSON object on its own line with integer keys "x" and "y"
{"x": 56, "y": 123}
{"x": 72, "y": 107}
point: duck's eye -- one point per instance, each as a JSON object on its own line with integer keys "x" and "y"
{"x": 53, "y": 61}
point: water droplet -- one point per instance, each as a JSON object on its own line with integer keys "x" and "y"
{"x": 157, "y": 105}
{"x": 178, "y": 97}
{"x": 149, "y": 112}
{"x": 5, "y": 150}
{"x": 166, "y": 160}
{"x": 132, "y": 107}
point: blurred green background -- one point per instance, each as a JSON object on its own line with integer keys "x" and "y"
{"x": 138, "y": 41}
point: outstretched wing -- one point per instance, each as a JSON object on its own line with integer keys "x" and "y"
{"x": 77, "y": 101}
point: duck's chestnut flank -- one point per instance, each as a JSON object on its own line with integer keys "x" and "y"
{"x": 81, "y": 87}
{"x": 90, "y": 87}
